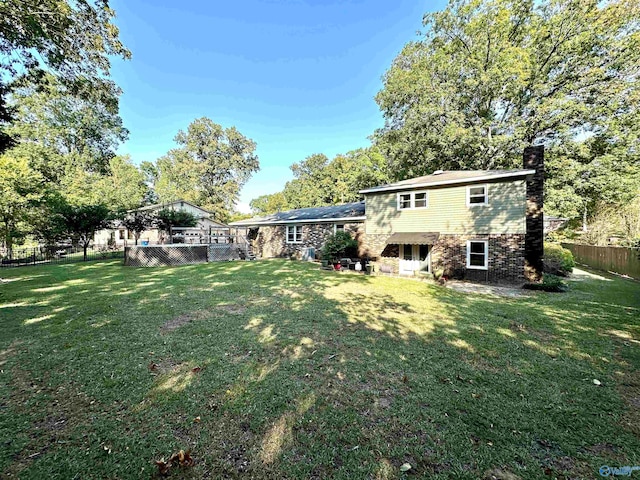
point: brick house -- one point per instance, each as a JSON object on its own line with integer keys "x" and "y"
{"x": 283, "y": 234}
{"x": 484, "y": 225}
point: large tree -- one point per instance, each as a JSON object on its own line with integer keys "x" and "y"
{"x": 489, "y": 77}
{"x": 20, "y": 193}
{"x": 81, "y": 222}
{"x": 73, "y": 39}
{"x": 209, "y": 167}
{"x": 79, "y": 132}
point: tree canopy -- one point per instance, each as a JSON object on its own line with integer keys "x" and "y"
{"x": 209, "y": 167}
{"x": 489, "y": 77}
{"x": 72, "y": 39}
{"x": 319, "y": 181}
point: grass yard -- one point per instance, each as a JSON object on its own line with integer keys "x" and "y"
{"x": 275, "y": 369}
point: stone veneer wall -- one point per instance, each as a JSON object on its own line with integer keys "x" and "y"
{"x": 271, "y": 239}
{"x": 506, "y": 256}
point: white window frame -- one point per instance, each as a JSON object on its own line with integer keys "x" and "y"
{"x": 412, "y": 200}
{"x": 297, "y": 229}
{"x": 486, "y": 195}
{"x": 335, "y": 227}
{"x": 486, "y": 255}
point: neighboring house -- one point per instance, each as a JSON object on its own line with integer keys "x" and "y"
{"x": 552, "y": 224}
{"x": 207, "y": 230}
{"x": 479, "y": 225}
{"x": 288, "y": 233}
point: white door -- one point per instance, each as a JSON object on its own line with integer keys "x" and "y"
{"x": 415, "y": 258}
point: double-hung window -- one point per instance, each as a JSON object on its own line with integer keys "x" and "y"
{"x": 477, "y": 195}
{"x": 412, "y": 200}
{"x": 294, "y": 233}
{"x": 477, "y": 254}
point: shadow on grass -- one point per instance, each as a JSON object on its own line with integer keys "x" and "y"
{"x": 303, "y": 373}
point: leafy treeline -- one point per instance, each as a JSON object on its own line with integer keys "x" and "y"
{"x": 60, "y": 129}
{"x": 489, "y": 77}
{"x": 59, "y": 123}
{"x": 319, "y": 181}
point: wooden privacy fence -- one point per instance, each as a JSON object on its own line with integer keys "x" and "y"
{"x": 620, "y": 260}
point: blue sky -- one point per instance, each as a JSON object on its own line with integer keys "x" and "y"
{"x": 298, "y": 77}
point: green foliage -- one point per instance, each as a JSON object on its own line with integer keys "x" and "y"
{"x": 20, "y": 192}
{"x": 340, "y": 245}
{"x": 83, "y": 132}
{"x": 595, "y": 174}
{"x": 492, "y": 76}
{"x": 550, "y": 283}
{"x": 208, "y": 169}
{"x": 558, "y": 260}
{"x": 265, "y": 204}
{"x": 620, "y": 221}
{"x": 73, "y": 40}
{"x": 319, "y": 181}
{"x": 167, "y": 218}
{"x": 81, "y": 222}
{"x": 138, "y": 222}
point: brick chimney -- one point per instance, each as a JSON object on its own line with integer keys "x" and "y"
{"x": 534, "y": 238}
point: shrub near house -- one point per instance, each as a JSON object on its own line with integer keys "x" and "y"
{"x": 558, "y": 260}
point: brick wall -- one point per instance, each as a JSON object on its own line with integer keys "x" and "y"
{"x": 505, "y": 263}
{"x": 270, "y": 240}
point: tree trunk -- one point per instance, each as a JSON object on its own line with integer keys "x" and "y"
{"x": 584, "y": 219}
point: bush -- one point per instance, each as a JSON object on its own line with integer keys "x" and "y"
{"x": 550, "y": 283}
{"x": 558, "y": 260}
{"x": 339, "y": 246}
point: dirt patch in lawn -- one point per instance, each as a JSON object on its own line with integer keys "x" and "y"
{"x": 233, "y": 308}
{"x": 185, "y": 318}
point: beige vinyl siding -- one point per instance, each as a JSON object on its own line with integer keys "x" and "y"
{"x": 448, "y": 211}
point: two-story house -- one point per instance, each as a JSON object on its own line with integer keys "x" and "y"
{"x": 480, "y": 225}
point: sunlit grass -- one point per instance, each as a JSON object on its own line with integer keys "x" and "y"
{"x": 276, "y": 369}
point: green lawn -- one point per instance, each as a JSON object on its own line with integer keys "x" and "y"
{"x": 276, "y": 369}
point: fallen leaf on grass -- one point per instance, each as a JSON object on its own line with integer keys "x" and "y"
{"x": 405, "y": 467}
{"x": 181, "y": 459}
{"x": 197, "y": 419}
{"x": 196, "y": 369}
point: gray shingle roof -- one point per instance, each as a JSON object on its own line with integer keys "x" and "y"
{"x": 452, "y": 177}
{"x": 309, "y": 215}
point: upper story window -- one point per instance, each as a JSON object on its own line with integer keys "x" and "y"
{"x": 413, "y": 200}
{"x": 294, "y": 233}
{"x": 477, "y": 195}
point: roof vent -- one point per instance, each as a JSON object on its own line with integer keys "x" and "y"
{"x": 438, "y": 172}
